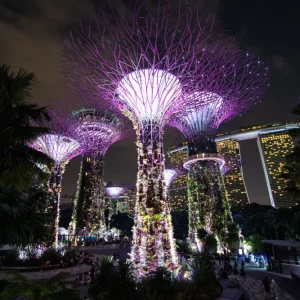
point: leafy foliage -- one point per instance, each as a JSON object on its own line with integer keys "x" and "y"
{"x": 50, "y": 289}
{"x": 122, "y": 222}
{"x": 117, "y": 281}
{"x": 20, "y": 123}
{"x": 267, "y": 222}
{"x": 180, "y": 224}
{"x": 23, "y": 216}
{"x": 232, "y": 237}
{"x": 51, "y": 255}
{"x": 211, "y": 243}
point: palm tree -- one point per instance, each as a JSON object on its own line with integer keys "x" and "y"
{"x": 20, "y": 123}
{"x": 23, "y": 217}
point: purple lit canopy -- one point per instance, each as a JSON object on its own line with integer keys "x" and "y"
{"x": 59, "y": 144}
{"x": 237, "y": 82}
{"x": 97, "y": 131}
{"x": 114, "y": 191}
{"x": 141, "y": 64}
{"x": 170, "y": 175}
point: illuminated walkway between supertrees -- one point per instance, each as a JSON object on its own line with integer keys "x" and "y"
{"x": 59, "y": 146}
{"x": 96, "y": 131}
{"x": 142, "y": 62}
{"x": 114, "y": 192}
{"x": 241, "y": 82}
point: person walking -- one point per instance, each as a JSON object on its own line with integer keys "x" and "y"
{"x": 266, "y": 284}
{"x": 275, "y": 289}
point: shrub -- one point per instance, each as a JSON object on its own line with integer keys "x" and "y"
{"x": 12, "y": 257}
{"x": 211, "y": 243}
{"x": 51, "y": 255}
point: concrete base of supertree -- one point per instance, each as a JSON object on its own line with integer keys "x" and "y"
{"x": 208, "y": 205}
{"x": 153, "y": 244}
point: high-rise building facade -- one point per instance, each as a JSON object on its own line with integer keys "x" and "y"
{"x": 273, "y": 148}
{"x": 233, "y": 178}
{"x": 178, "y": 190}
{"x": 274, "y": 144}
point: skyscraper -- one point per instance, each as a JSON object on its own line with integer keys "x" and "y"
{"x": 234, "y": 183}
{"x": 274, "y": 144}
{"x": 273, "y": 148}
{"x": 178, "y": 190}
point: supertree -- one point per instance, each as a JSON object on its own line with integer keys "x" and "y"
{"x": 241, "y": 82}
{"x": 61, "y": 147}
{"x": 96, "y": 131}
{"x": 143, "y": 62}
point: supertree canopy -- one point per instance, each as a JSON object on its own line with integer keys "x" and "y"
{"x": 114, "y": 191}
{"x": 170, "y": 175}
{"x": 96, "y": 131}
{"x": 59, "y": 146}
{"x": 241, "y": 82}
{"x": 145, "y": 63}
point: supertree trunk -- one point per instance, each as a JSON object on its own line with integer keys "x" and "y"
{"x": 153, "y": 242}
{"x": 113, "y": 209}
{"x": 54, "y": 185}
{"x": 90, "y": 195}
{"x": 208, "y": 204}
{"x": 221, "y": 211}
{"x": 193, "y": 206}
{"x": 97, "y": 223}
{"x": 74, "y": 220}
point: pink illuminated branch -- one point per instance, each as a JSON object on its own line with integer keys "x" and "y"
{"x": 59, "y": 144}
{"x": 59, "y": 147}
{"x": 241, "y": 82}
{"x": 145, "y": 63}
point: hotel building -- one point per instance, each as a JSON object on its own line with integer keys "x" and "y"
{"x": 273, "y": 143}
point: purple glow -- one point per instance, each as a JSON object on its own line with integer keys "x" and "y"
{"x": 97, "y": 132}
{"x": 234, "y": 84}
{"x": 114, "y": 192}
{"x": 144, "y": 65}
{"x": 59, "y": 147}
{"x": 150, "y": 93}
{"x": 198, "y": 120}
{"x": 170, "y": 175}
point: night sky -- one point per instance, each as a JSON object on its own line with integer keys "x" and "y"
{"x": 32, "y": 34}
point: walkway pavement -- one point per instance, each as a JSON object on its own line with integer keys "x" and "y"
{"x": 284, "y": 281}
{"x": 253, "y": 288}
